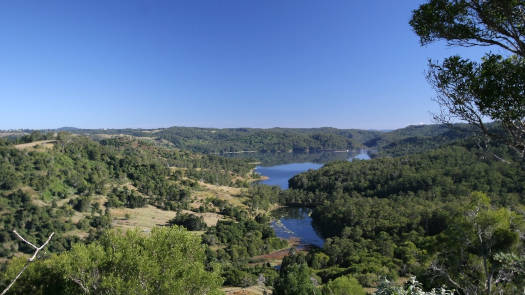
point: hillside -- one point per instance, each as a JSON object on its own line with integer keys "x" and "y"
{"x": 408, "y": 140}
{"x": 83, "y": 190}
{"x": 78, "y": 187}
{"x": 443, "y": 209}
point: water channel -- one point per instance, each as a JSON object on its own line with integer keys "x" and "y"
{"x": 295, "y": 222}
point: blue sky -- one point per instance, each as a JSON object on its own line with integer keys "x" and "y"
{"x": 215, "y": 63}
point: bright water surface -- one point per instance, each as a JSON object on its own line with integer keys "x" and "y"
{"x": 279, "y": 174}
{"x": 293, "y": 222}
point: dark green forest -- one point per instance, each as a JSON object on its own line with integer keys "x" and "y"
{"x": 299, "y": 140}
{"x": 418, "y": 215}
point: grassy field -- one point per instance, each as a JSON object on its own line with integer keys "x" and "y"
{"x": 35, "y": 144}
{"x": 226, "y": 193}
{"x": 144, "y": 218}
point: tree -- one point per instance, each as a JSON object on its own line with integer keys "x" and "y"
{"x": 295, "y": 281}
{"x": 412, "y": 287}
{"x": 31, "y": 259}
{"x": 492, "y": 89}
{"x": 189, "y": 221}
{"x": 469, "y": 259}
{"x": 344, "y": 285}
{"x": 169, "y": 260}
{"x": 295, "y": 277}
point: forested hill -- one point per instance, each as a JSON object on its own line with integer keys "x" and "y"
{"x": 442, "y": 173}
{"x": 419, "y": 138}
{"x": 409, "y": 140}
{"x": 211, "y": 140}
{"x": 437, "y": 215}
{"x": 63, "y": 182}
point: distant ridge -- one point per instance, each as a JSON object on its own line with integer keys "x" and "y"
{"x": 68, "y": 129}
{"x": 407, "y": 140}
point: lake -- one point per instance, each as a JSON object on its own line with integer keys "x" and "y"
{"x": 279, "y": 174}
{"x": 295, "y": 222}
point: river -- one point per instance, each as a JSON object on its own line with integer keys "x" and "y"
{"x": 280, "y": 173}
{"x": 295, "y": 222}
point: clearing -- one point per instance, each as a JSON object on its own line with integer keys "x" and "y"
{"x": 34, "y": 144}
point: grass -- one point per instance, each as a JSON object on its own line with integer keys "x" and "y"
{"x": 35, "y": 144}
{"x": 226, "y": 193}
{"x": 144, "y": 218}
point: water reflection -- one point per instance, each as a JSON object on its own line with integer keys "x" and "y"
{"x": 271, "y": 159}
{"x": 295, "y": 222}
{"x": 280, "y": 174}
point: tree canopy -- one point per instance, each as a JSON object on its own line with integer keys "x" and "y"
{"x": 493, "y": 88}
{"x": 169, "y": 260}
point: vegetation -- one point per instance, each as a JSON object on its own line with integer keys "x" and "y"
{"x": 238, "y": 241}
{"x": 274, "y": 145}
{"x": 448, "y": 215}
{"x": 439, "y": 174}
{"x": 167, "y": 261}
{"x": 189, "y": 221}
{"x": 431, "y": 204}
{"x": 345, "y": 285}
{"x": 295, "y": 277}
{"x": 412, "y": 287}
{"x": 211, "y": 140}
{"x": 58, "y": 188}
{"x": 474, "y": 91}
{"x": 418, "y": 215}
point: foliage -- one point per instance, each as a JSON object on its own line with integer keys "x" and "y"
{"x": 295, "y": 277}
{"x": 261, "y": 197}
{"x": 168, "y": 261}
{"x": 344, "y": 285}
{"x": 237, "y": 277}
{"x": 189, "y": 221}
{"x": 209, "y": 140}
{"x": 393, "y": 217}
{"x": 34, "y": 222}
{"x": 412, "y": 287}
{"x": 470, "y": 244}
{"x": 439, "y": 174}
{"x": 473, "y": 91}
{"x": 242, "y": 240}
{"x": 40, "y": 187}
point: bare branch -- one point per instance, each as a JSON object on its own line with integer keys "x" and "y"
{"x": 437, "y": 269}
{"x": 24, "y": 240}
{"x": 37, "y": 249}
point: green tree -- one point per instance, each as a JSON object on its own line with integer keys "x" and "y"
{"x": 296, "y": 280}
{"x": 472, "y": 91}
{"x": 169, "y": 260}
{"x": 344, "y": 285}
{"x": 295, "y": 277}
{"x": 468, "y": 261}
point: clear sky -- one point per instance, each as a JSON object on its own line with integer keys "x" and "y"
{"x": 214, "y": 63}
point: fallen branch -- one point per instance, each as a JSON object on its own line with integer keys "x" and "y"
{"x": 37, "y": 249}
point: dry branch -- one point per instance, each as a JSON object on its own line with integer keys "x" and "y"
{"x": 31, "y": 259}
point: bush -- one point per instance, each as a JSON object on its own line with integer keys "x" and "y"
{"x": 345, "y": 285}
{"x": 189, "y": 221}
